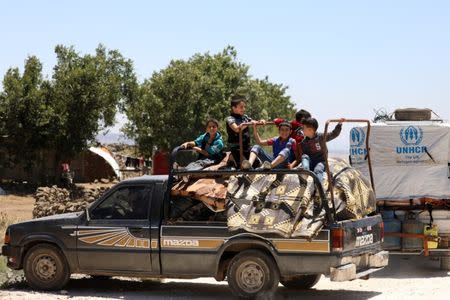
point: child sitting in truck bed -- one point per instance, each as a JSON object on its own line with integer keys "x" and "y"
{"x": 297, "y": 124}
{"x": 209, "y": 146}
{"x": 313, "y": 146}
{"x": 235, "y": 124}
{"x": 296, "y": 133}
{"x": 283, "y": 149}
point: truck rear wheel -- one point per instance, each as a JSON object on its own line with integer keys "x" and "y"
{"x": 301, "y": 282}
{"x": 252, "y": 273}
{"x": 46, "y": 268}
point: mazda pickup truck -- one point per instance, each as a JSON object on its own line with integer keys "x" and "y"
{"x": 129, "y": 232}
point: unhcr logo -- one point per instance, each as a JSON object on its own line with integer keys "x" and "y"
{"x": 357, "y": 140}
{"x": 411, "y": 135}
{"x": 411, "y": 138}
{"x": 357, "y": 136}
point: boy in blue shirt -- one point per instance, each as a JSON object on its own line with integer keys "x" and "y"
{"x": 283, "y": 149}
{"x": 209, "y": 146}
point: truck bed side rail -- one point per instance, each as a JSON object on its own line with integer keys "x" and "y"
{"x": 327, "y": 165}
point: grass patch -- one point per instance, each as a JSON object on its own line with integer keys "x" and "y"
{"x": 8, "y": 278}
{"x": 5, "y": 221}
{"x": 3, "y": 266}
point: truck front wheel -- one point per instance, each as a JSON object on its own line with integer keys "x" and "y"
{"x": 301, "y": 282}
{"x": 252, "y": 273}
{"x": 46, "y": 268}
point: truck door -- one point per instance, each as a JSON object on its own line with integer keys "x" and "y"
{"x": 117, "y": 236}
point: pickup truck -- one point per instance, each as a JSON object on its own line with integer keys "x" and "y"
{"x": 127, "y": 232}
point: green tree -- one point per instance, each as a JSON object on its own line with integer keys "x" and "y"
{"x": 174, "y": 103}
{"x": 87, "y": 91}
{"x": 67, "y": 111}
{"x": 26, "y": 111}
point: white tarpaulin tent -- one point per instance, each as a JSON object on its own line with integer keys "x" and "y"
{"x": 2, "y": 192}
{"x": 409, "y": 159}
{"x": 106, "y": 155}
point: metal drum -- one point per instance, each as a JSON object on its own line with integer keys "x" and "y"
{"x": 412, "y": 225}
{"x": 391, "y": 224}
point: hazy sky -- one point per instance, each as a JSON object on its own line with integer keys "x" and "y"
{"x": 339, "y": 58}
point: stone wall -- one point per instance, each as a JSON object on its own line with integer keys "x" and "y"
{"x": 54, "y": 200}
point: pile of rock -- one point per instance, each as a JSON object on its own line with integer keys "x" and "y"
{"x": 54, "y": 200}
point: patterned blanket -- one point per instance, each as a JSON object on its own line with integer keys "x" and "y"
{"x": 290, "y": 204}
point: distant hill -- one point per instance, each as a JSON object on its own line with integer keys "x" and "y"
{"x": 114, "y": 138}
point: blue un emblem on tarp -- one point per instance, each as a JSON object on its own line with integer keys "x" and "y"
{"x": 357, "y": 136}
{"x": 411, "y": 135}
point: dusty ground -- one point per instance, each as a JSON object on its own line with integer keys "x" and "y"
{"x": 17, "y": 206}
{"x": 406, "y": 277}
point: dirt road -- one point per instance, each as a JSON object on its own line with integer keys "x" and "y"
{"x": 406, "y": 277}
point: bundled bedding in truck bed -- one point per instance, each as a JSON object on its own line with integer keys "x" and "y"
{"x": 290, "y": 204}
{"x": 285, "y": 204}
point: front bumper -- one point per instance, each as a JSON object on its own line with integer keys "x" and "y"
{"x": 353, "y": 267}
{"x": 13, "y": 255}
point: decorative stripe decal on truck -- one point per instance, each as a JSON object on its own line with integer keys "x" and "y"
{"x": 117, "y": 237}
{"x": 214, "y": 243}
{"x": 301, "y": 246}
{"x": 121, "y": 237}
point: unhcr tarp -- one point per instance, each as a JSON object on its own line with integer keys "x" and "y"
{"x": 409, "y": 159}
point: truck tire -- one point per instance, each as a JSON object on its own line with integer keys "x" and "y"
{"x": 412, "y": 114}
{"x": 252, "y": 273}
{"x": 46, "y": 268}
{"x": 302, "y": 282}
